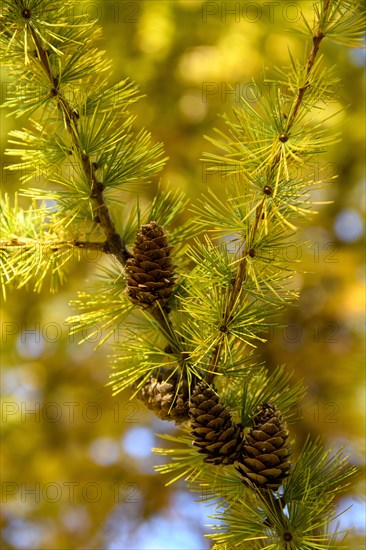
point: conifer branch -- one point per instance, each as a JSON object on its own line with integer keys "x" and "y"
{"x": 115, "y": 243}
{"x": 53, "y": 246}
{"x": 240, "y": 277}
{"x": 317, "y": 38}
{"x": 237, "y": 288}
{"x": 205, "y": 323}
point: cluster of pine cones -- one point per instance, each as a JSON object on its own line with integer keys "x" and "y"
{"x": 262, "y": 454}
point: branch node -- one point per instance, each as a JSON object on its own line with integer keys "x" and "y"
{"x": 26, "y": 13}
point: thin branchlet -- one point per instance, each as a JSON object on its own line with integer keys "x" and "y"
{"x": 115, "y": 243}
{"x": 295, "y": 108}
{"x": 317, "y": 38}
{"x": 241, "y": 273}
{"x": 53, "y": 245}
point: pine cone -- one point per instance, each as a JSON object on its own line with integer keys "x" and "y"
{"x": 166, "y": 394}
{"x": 150, "y": 272}
{"x": 215, "y": 433}
{"x": 265, "y": 453}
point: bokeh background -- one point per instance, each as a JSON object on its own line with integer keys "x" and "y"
{"x": 77, "y": 469}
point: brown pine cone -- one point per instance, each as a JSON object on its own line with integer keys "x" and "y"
{"x": 150, "y": 272}
{"x": 216, "y": 435}
{"x": 166, "y": 394}
{"x": 264, "y": 459}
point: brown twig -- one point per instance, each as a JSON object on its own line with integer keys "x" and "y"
{"x": 317, "y": 38}
{"x": 53, "y": 246}
{"x": 241, "y": 274}
{"x": 114, "y": 244}
{"x": 236, "y": 290}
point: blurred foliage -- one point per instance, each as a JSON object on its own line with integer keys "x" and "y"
{"x": 89, "y": 489}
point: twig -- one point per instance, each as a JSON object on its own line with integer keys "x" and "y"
{"x": 317, "y": 38}
{"x": 115, "y": 244}
{"x": 242, "y": 271}
{"x": 54, "y": 246}
{"x": 236, "y": 290}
